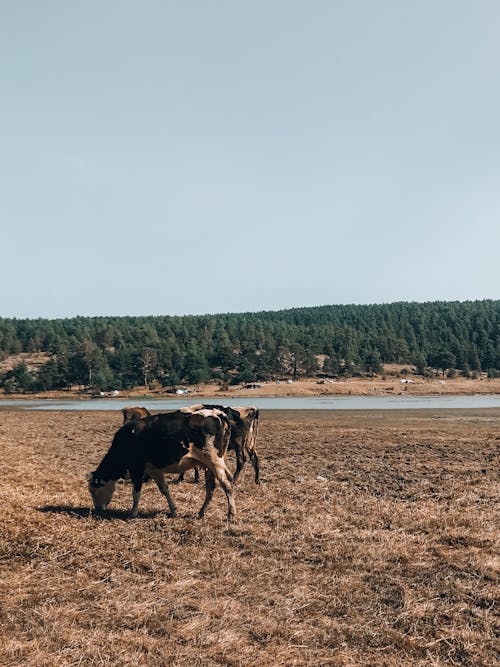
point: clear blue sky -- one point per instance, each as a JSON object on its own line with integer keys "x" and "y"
{"x": 164, "y": 157}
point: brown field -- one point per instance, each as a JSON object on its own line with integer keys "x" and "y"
{"x": 373, "y": 540}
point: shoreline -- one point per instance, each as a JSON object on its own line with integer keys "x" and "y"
{"x": 298, "y": 389}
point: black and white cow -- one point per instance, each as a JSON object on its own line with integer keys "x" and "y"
{"x": 244, "y": 422}
{"x": 165, "y": 443}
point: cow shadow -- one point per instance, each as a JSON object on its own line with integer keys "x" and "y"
{"x": 88, "y": 513}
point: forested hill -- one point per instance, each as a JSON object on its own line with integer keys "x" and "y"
{"x": 118, "y": 352}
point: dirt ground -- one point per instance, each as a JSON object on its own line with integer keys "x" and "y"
{"x": 373, "y": 540}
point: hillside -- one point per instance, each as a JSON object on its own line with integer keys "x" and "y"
{"x": 107, "y": 353}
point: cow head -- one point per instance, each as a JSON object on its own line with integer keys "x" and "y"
{"x": 101, "y": 490}
{"x": 134, "y": 413}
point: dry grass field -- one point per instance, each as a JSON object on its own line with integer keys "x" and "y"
{"x": 373, "y": 540}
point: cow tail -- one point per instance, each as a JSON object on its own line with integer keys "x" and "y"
{"x": 252, "y": 433}
{"x": 256, "y": 429}
{"x": 220, "y": 440}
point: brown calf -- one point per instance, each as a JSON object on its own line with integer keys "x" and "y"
{"x": 133, "y": 414}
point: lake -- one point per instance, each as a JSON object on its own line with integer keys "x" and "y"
{"x": 402, "y": 402}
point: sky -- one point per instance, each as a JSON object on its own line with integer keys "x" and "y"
{"x": 174, "y": 158}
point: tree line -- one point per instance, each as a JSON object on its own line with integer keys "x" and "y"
{"x": 120, "y": 352}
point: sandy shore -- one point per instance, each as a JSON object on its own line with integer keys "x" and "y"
{"x": 392, "y": 386}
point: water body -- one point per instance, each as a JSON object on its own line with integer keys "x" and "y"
{"x": 285, "y": 403}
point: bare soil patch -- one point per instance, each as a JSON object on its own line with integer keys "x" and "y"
{"x": 373, "y": 540}
{"x": 33, "y": 360}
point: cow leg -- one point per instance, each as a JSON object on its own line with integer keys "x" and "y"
{"x": 137, "y": 477}
{"x": 209, "y": 491}
{"x": 255, "y": 462}
{"x": 136, "y": 496}
{"x": 216, "y": 470}
{"x": 179, "y": 479}
{"x": 165, "y": 491}
{"x": 224, "y": 481}
{"x": 231, "y": 507}
{"x": 240, "y": 460}
{"x": 229, "y": 474}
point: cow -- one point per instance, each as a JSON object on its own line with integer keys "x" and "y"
{"x": 133, "y": 414}
{"x": 191, "y": 409}
{"x": 243, "y": 439}
{"x": 244, "y": 423}
{"x": 165, "y": 443}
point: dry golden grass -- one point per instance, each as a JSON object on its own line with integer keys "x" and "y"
{"x": 373, "y": 540}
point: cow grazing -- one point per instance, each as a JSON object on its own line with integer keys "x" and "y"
{"x": 133, "y": 414}
{"x": 165, "y": 443}
{"x": 244, "y": 423}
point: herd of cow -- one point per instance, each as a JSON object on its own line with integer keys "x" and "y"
{"x": 199, "y": 436}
